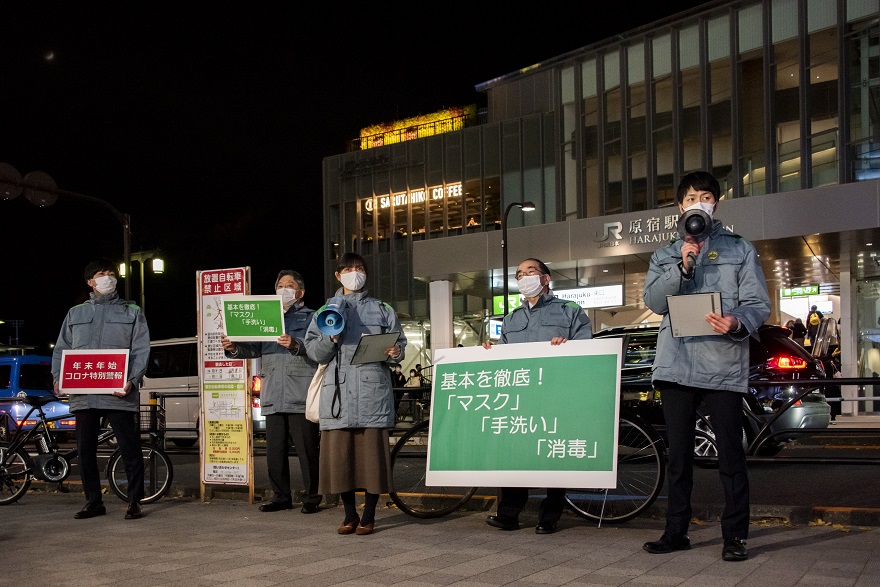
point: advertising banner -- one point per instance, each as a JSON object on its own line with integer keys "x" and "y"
{"x": 516, "y": 413}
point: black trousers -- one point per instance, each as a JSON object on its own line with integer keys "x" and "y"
{"x": 125, "y": 425}
{"x": 680, "y": 405}
{"x": 513, "y": 499}
{"x": 280, "y": 430}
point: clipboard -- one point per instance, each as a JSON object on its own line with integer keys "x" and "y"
{"x": 687, "y": 313}
{"x": 371, "y": 347}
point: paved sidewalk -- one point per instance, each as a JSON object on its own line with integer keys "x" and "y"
{"x": 184, "y": 541}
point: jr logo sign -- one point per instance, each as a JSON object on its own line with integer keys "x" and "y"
{"x": 611, "y": 230}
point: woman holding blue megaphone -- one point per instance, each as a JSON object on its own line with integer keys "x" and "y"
{"x": 357, "y": 400}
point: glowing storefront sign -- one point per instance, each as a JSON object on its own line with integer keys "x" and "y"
{"x": 453, "y": 190}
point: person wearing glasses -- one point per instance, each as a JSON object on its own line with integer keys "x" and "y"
{"x": 542, "y": 317}
{"x": 288, "y": 372}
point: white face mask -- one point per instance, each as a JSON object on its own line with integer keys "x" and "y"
{"x": 288, "y": 296}
{"x": 105, "y": 284}
{"x": 704, "y": 206}
{"x": 353, "y": 280}
{"x": 530, "y": 285}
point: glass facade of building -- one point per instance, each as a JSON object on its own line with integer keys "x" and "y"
{"x": 771, "y": 96}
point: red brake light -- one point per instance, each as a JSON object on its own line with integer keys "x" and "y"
{"x": 787, "y": 363}
{"x": 256, "y": 384}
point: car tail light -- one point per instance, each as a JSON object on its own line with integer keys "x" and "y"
{"x": 256, "y": 386}
{"x": 786, "y": 363}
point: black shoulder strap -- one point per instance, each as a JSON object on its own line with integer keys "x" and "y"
{"x": 336, "y": 405}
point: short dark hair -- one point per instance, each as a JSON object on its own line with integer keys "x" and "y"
{"x": 97, "y": 266}
{"x": 349, "y": 261}
{"x": 812, "y": 307}
{"x": 702, "y": 181}
{"x": 541, "y": 265}
{"x": 296, "y": 277}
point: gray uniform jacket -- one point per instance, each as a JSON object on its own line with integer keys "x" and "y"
{"x": 106, "y": 322}
{"x": 286, "y": 375}
{"x": 727, "y": 264}
{"x": 550, "y": 317}
{"x": 366, "y": 397}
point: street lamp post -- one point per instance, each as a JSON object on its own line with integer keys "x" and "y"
{"x": 158, "y": 266}
{"x": 526, "y": 207}
{"x": 15, "y": 324}
{"x": 42, "y": 192}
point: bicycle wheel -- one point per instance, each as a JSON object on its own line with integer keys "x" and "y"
{"x": 409, "y": 462}
{"x": 641, "y": 469}
{"x": 158, "y": 473}
{"x": 15, "y": 473}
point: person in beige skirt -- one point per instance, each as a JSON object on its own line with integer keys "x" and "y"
{"x": 357, "y": 401}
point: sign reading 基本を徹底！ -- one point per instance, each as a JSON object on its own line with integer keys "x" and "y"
{"x": 515, "y": 413}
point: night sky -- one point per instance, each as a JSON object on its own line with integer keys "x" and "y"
{"x": 208, "y": 123}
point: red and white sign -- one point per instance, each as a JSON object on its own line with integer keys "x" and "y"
{"x": 225, "y": 445}
{"x": 93, "y": 371}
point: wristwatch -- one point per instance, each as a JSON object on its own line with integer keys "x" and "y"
{"x": 685, "y": 274}
{"x": 739, "y": 328}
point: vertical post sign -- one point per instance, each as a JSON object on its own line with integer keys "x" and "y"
{"x": 225, "y": 430}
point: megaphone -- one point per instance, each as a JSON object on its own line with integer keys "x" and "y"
{"x": 695, "y": 223}
{"x": 330, "y": 320}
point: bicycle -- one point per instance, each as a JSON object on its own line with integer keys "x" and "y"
{"x": 18, "y": 468}
{"x": 641, "y": 470}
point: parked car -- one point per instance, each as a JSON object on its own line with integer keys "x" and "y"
{"x": 32, "y": 375}
{"x": 773, "y": 356}
{"x": 173, "y": 375}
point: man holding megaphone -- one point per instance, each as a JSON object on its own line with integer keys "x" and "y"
{"x": 710, "y": 368}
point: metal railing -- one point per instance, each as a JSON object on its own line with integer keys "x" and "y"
{"x": 412, "y": 405}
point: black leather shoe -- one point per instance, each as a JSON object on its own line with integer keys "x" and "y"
{"x": 734, "y": 550}
{"x": 90, "y": 511}
{"x": 276, "y": 506}
{"x": 310, "y": 508}
{"x": 545, "y": 528}
{"x": 133, "y": 512}
{"x": 503, "y": 522}
{"x": 668, "y": 544}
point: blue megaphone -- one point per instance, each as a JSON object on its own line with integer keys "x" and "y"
{"x": 329, "y": 319}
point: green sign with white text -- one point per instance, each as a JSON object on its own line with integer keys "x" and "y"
{"x": 254, "y": 318}
{"x": 804, "y": 290}
{"x": 500, "y": 416}
{"x": 514, "y": 301}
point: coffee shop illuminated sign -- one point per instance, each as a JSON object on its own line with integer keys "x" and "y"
{"x": 452, "y": 190}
